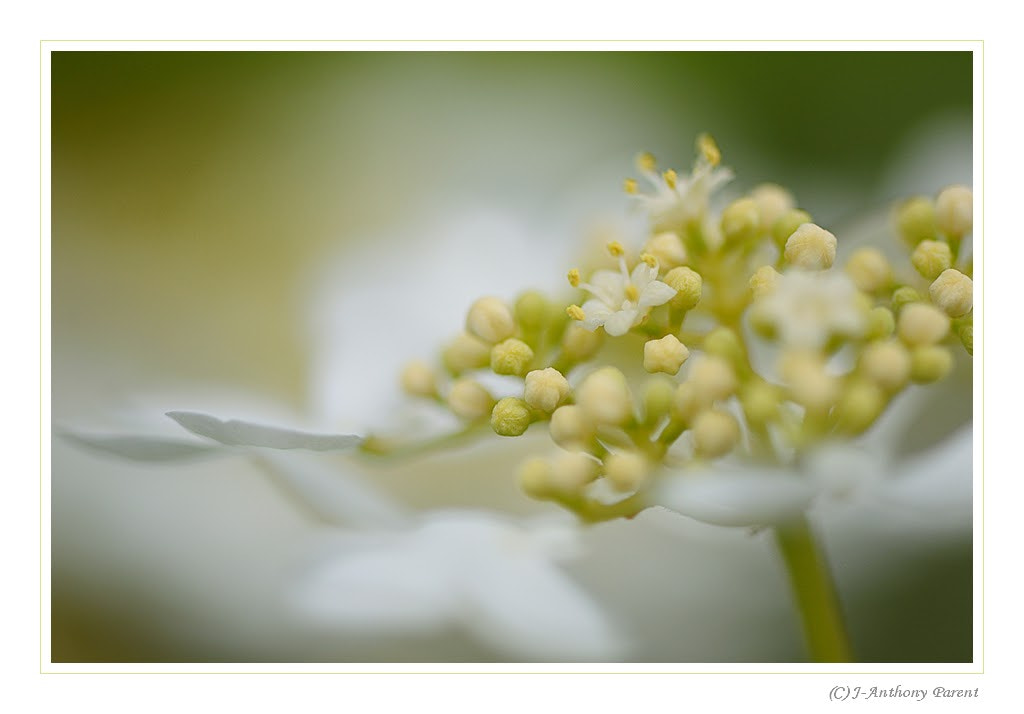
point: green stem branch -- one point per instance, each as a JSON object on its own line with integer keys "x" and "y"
{"x": 815, "y": 593}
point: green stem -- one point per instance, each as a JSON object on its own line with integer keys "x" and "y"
{"x": 815, "y": 593}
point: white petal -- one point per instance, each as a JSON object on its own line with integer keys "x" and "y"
{"x": 331, "y": 493}
{"x": 528, "y": 608}
{"x": 596, "y": 313}
{"x": 656, "y": 293}
{"x": 740, "y": 498}
{"x": 642, "y": 275}
{"x": 145, "y": 448}
{"x": 390, "y": 587}
{"x": 620, "y": 322}
{"x": 240, "y": 433}
{"x": 937, "y": 479}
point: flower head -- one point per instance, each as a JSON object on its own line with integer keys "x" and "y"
{"x": 807, "y": 308}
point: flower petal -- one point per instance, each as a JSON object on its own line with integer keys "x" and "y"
{"x": 739, "y": 498}
{"x": 608, "y": 286}
{"x": 528, "y": 608}
{"x": 642, "y": 275}
{"x": 145, "y": 448}
{"x": 596, "y": 313}
{"x": 656, "y": 293}
{"x": 241, "y": 433}
{"x": 618, "y": 323}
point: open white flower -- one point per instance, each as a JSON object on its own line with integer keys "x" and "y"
{"x": 678, "y": 201}
{"x": 806, "y": 308}
{"x": 476, "y": 570}
{"x": 621, "y": 299}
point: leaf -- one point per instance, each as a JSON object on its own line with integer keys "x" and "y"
{"x": 241, "y": 433}
{"x": 144, "y": 448}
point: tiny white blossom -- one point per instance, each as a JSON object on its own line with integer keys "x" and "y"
{"x": 806, "y": 308}
{"x": 621, "y": 299}
{"x": 676, "y": 201}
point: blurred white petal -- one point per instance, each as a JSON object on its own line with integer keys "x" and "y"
{"x": 144, "y": 448}
{"x": 241, "y": 433}
{"x": 738, "y": 498}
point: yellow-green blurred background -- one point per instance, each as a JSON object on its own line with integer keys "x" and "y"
{"x": 194, "y": 192}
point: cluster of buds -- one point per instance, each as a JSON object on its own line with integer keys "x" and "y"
{"x": 709, "y": 294}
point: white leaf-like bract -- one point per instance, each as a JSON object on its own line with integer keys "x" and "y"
{"x": 145, "y": 448}
{"x": 235, "y": 432}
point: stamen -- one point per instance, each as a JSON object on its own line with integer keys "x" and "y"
{"x": 649, "y": 259}
{"x": 645, "y": 162}
{"x": 670, "y": 177}
{"x": 574, "y": 277}
{"x": 616, "y": 249}
{"x": 630, "y": 186}
{"x": 576, "y": 312}
{"x": 709, "y": 149}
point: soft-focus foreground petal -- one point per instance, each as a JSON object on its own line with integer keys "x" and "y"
{"x": 144, "y": 448}
{"x": 935, "y": 480}
{"x": 241, "y": 433}
{"x": 737, "y": 498}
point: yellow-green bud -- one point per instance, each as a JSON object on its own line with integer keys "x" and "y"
{"x": 571, "y": 428}
{"x": 545, "y": 389}
{"x": 807, "y": 380}
{"x": 953, "y": 293}
{"x": 760, "y": 402}
{"x": 665, "y": 355}
{"x": 931, "y": 257}
{"x": 626, "y": 471}
{"x": 887, "y": 364}
{"x": 901, "y": 297}
{"x": 916, "y": 220}
{"x": 811, "y": 247}
{"x": 966, "y": 335}
{"x": 954, "y": 211}
{"x": 570, "y": 472}
{"x": 532, "y": 311}
{"x": 658, "y": 395}
{"x": 604, "y": 396}
{"x": 535, "y": 479}
{"x": 689, "y": 285}
{"x": 772, "y": 203}
{"x": 787, "y": 224}
{"x": 723, "y": 342}
{"x": 715, "y": 433}
{"x": 922, "y": 324}
{"x": 930, "y": 363}
{"x": 579, "y": 343}
{"x": 468, "y": 399}
{"x": 869, "y": 269}
{"x": 764, "y": 281}
{"x": 712, "y": 379}
{"x": 464, "y": 353}
{"x": 510, "y": 417}
{"x": 860, "y": 405}
{"x": 686, "y": 403}
{"x": 511, "y": 357}
{"x": 668, "y": 249}
{"x": 881, "y": 323}
{"x": 741, "y": 221}
{"x": 490, "y": 319}
{"x": 418, "y": 380}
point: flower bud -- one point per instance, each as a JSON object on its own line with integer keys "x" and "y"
{"x": 953, "y": 293}
{"x": 511, "y": 357}
{"x": 787, "y": 224}
{"x": 579, "y": 343}
{"x": 811, "y": 247}
{"x": 510, "y": 417}
{"x": 626, "y": 472}
{"x": 901, "y": 297}
{"x": 686, "y": 403}
{"x": 490, "y": 319}
{"x": 966, "y": 335}
{"x": 665, "y": 355}
{"x": 712, "y": 379}
{"x": 715, "y": 433}
{"x": 570, "y": 472}
{"x": 869, "y": 270}
{"x": 886, "y": 364}
{"x": 807, "y": 380}
{"x": 881, "y": 323}
{"x": 916, "y": 220}
{"x": 930, "y": 363}
{"x": 532, "y": 310}
{"x": 468, "y": 399}
{"x": 741, "y": 221}
{"x": 668, "y": 249}
{"x": 859, "y": 406}
{"x": 930, "y": 258}
{"x": 658, "y": 395}
{"x": 922, "y": 324}
{"x": 954, "y": 211}
{"x": 570, "y": 428}
{"x": 545, "y": 389}
{"x": 535, "y": 479}
{"x": 418, "y": 380}
{"x": 689, "y": 285}
{"x": 772, "y": 203}
{"x": 723, "y": 342}
{"x": 604, "y": 397}
{"x": 764, "y": 281}
{"x": 465, "y": 353}
{"x": 760, "y": 402}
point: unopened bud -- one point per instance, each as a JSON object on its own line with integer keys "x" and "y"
{"x": 712, "y": 379}
{"x": 545, "y": 389}
{"x": 510, "y": 417}
{"x": 764, "y": 281}
{"x": 869, "y": 270}
{"x": 953, "y": 293}
{"x": 881, "y": 323}
{"x": 916, "y": 220}
{"x": 931, "y": 257}
{"x": 665, "y": 355}
{"x": 811, "y": 247}
{"x": 490, "y": 319}
{"x": 512, "y": 357}
{"x": 605, "y": 397}
{"x": 570, "y": 472}
{"x": 922, "y": 324}
{"x": 741, "y": 221}
{"x": 468, "y": 399}
{"x": 571, "y": 428}
{"x": 579, "y": 343}
{"x": 626, "y": 471}
{"x": 930, "y": 363}
{"x": 418, "y": 380}
{"x": 667, "y": 248}
{"x": 954, "y": 211}
{"x": 532, "y": 311}
{"x": 772, "y": 202}
{"x": 535, "y": 479}
{"x": 787, "y": 224}
{"x": 715, "y": 433}
{"x": 887, "y": 364}
{"x": 688, "y": 284}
